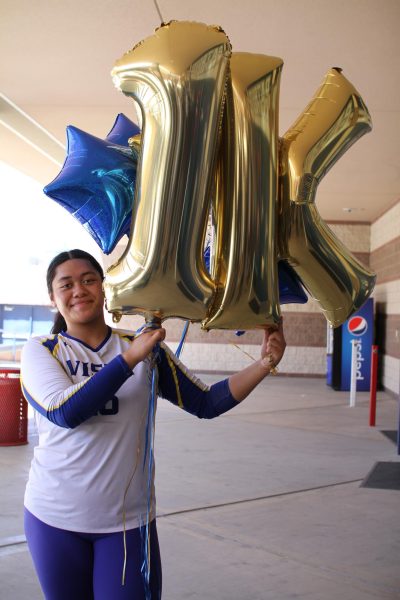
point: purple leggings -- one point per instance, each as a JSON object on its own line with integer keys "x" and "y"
{"x": 87, "y": 566}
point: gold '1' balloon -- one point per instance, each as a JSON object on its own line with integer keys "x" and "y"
{"x": 178, "y": 78}
{"x": 210, "y": 138}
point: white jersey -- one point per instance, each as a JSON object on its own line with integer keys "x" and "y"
{"x": 79, "y": 475}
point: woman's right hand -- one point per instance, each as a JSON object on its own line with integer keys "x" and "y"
{"x": 142, "y": 345}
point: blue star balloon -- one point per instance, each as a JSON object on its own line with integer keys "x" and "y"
{"x": 97, "y": 181}
{"x": 290, "y": 288}
{"x": 122, "y": 130}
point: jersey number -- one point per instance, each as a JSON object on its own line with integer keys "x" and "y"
{"x": 111, "y": 408}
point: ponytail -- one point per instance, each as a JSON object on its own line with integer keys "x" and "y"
{"x": 59, "y": 324}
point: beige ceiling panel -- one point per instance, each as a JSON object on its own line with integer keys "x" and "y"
{"x": 57, "y": 58}
{"x": 22, "y": 156}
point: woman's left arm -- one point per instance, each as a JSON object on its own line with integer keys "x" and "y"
{"x": 178, "y": 385}
{"x": 272, "y": 350}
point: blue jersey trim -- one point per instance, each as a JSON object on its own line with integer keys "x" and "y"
{"x": 51, "y": 343}
{"x": 123, "y": 335}
{"x": 59, "y": 420}
{"x": 99, "y": 347}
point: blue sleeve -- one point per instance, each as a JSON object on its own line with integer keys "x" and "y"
{"x": 182, "y": 388}
{"x": 69, "y": 405}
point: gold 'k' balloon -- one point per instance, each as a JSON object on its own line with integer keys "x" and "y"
{"x": 210, "y": 143}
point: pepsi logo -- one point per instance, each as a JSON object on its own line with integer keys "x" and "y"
{"x": 357, "y": 325}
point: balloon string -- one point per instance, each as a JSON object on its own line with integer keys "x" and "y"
{"x": 124, "y": 513}
{"x": 137, "y": 332}
{"x": 124, "y": 500}
{"x": 149, "y": 450}
{"x": 183, "y": 338}
{"x": 158, "y": 10}
{"x": 273, "y": 369}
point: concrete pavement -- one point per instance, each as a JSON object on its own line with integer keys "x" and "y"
{"x": 263, "y": 503}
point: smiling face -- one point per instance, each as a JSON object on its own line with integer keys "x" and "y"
{"x": 77, "y": 293}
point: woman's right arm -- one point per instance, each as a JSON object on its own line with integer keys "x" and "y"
{"x": 49, "y": 389}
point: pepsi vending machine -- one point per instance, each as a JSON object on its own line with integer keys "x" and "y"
{"x": 359, "y": 327}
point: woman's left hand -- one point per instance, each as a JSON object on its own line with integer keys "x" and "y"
{"x": 272, "y": 349}
{"x": 274, "y": 344}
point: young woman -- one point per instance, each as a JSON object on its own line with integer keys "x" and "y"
{"x": 87, "y": 493}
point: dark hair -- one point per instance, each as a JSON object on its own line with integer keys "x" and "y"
{"x": 59, "y": 321}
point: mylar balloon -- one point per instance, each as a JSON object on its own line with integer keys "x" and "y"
{"x": 178, "y": 78}
{"x": 245, "y": 265}
{"x": 192, "y": 96}
{"x": 97, "y": 181}
{"x": 210, "y": 146}
{"x": 335, "y": 118}
{"x": 290, "y": 288}
{"x": 122, "y": 130}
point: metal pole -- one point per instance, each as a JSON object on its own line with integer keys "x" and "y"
{"x": 374, "y": 374}
{"x": 353, "y": 373}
